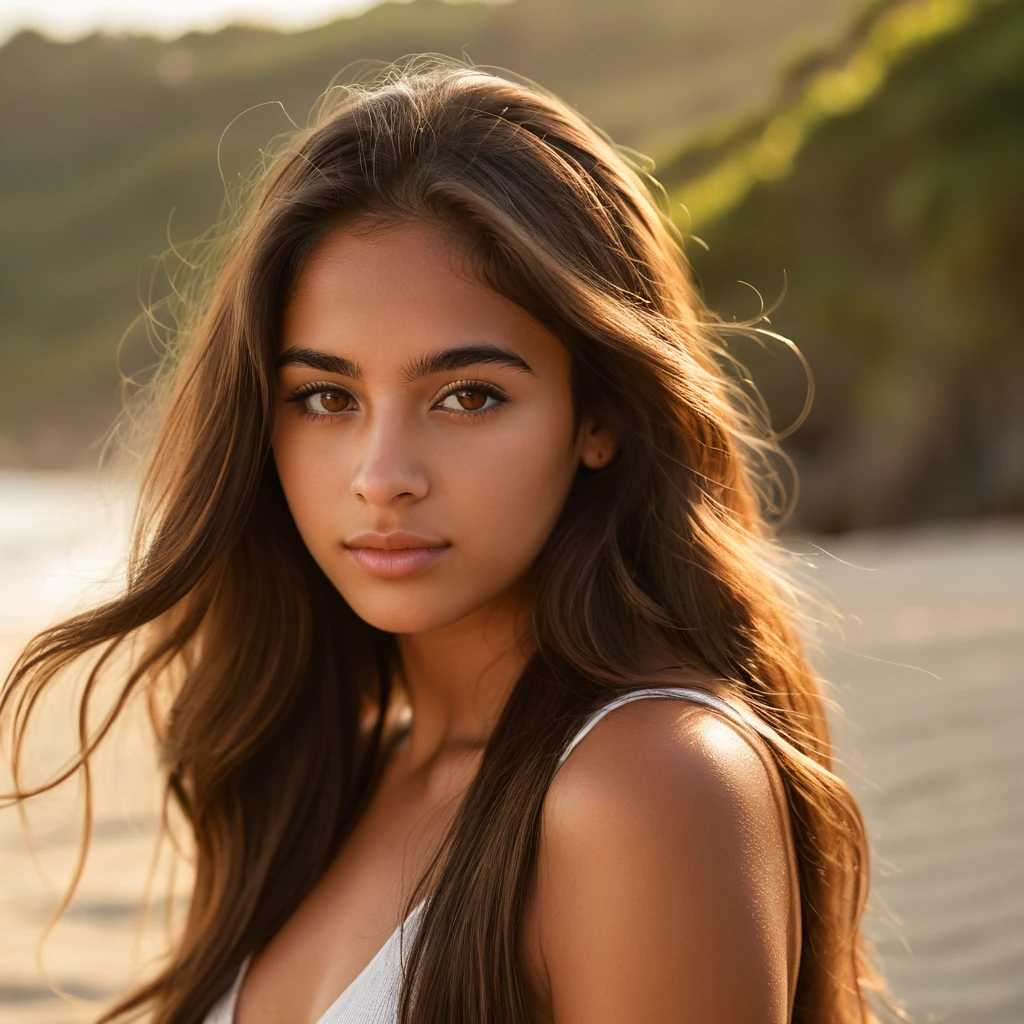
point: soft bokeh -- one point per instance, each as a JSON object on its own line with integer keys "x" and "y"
{"x": 866, "y": 158}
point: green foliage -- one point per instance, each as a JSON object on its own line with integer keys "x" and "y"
{"x": 893, "y": 205}
{"x": 880, "y": 183}
{"x": 111, "y": 145}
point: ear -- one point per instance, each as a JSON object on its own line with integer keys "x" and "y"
{"x": 597, "y": 443}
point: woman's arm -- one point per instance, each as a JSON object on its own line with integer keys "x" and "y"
{"x": 664, "y": 884}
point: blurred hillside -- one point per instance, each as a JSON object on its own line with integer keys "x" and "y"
{"x": 887, "y": 189}
{"x": 874, "y": 165}
{"x": 104, "y": 138}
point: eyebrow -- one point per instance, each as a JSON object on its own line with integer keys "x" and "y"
{"x": 443, "y": 361}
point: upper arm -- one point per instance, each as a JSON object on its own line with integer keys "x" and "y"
{"x": 664, "y": 881}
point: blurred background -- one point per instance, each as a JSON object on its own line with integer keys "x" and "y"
{"x": 859, "y": 161}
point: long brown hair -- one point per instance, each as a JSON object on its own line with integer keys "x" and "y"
{"x": 269, "y": 695}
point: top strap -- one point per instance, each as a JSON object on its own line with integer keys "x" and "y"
{"x": 682, "y": 692}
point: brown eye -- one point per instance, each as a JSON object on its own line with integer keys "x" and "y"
{"x": 470, "y": 399}
{"x": 326, "y": 402}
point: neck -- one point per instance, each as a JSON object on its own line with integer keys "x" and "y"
{"x": 459, "y": 677}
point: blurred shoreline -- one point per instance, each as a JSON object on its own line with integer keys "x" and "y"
{"x": 927, "y": 669}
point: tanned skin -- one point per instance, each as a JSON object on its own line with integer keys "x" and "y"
{"x": 663, "y": 890}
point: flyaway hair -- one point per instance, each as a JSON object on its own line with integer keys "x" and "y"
{"x": 269, "y": 696}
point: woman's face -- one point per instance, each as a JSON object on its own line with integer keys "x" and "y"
{"x": 423, "y": 432}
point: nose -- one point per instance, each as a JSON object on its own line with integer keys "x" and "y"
{"x": 387, "y": 469}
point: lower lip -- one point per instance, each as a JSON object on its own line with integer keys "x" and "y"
{"x": 392, "y": 564}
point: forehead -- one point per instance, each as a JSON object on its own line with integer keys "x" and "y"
{"x": 392, "y": 290}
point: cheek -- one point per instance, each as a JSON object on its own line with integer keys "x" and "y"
{"x": 311, "y": 485}
{"x": 495, "y": 491}
{"x": 507, "y": 497}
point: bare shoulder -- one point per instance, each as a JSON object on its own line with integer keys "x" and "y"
{"x": 666, "y": 756}
{"x": 664, "y": 887}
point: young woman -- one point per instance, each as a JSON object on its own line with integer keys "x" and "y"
{"x": 471, "y": 653}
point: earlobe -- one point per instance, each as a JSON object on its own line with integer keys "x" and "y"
{"x": 598, "y": 444}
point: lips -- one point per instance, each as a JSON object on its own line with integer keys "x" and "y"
{"x": 395, "y": 554}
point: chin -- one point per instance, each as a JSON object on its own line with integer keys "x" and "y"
{"x": 395, "y": 613}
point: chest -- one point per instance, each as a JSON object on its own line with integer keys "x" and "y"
{"x": 353, "y": 912}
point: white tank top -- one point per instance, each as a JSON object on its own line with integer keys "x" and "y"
{"x": 372, "y": 997}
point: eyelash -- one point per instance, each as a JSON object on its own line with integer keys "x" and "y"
{"x": 304, "y": 391}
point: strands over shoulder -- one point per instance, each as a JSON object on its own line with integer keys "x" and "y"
{"x": 271, "y": 696}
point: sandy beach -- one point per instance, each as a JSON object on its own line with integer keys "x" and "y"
{"x": 928, "y": 667}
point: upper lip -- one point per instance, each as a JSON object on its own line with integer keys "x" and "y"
{"x": 393, "y": 541}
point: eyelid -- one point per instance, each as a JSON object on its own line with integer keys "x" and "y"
{"x": 312, "y": 387}
{"x": 309, "y": 388}
{"x": 475, "y": 385}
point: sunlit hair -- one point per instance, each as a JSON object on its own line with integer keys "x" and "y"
{"x": 268, "y": 694}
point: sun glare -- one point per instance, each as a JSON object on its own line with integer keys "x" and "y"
{"x": 71, "y": 19}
